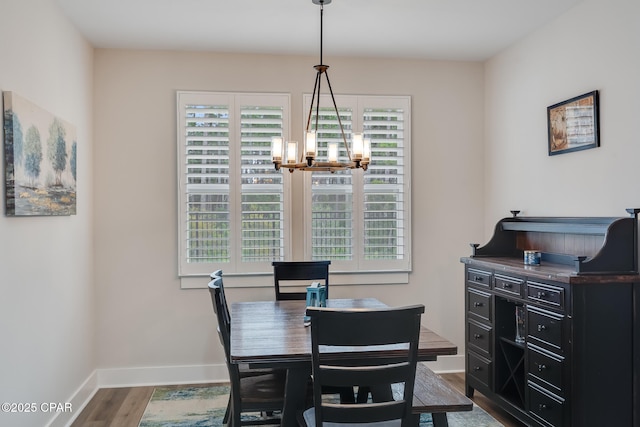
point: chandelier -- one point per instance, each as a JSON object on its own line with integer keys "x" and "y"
{"x": 286, "y": 155}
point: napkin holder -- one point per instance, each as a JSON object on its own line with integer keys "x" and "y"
{"x": 316, "y": 297}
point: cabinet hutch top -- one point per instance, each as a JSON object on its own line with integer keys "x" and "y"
{"x": 573, "y": 249}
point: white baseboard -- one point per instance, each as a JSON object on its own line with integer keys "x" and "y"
{"x": 134, "y": 377}
{"x": 162, "y": 375}
{"x": 78, "y": 401}
{"x": 168, "y": 375}
{"x": 448, "y": 364}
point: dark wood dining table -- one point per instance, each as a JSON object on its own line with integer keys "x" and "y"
{"x": 273, "y": 334}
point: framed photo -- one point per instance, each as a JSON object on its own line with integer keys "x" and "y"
{"x": 573, "y": 124}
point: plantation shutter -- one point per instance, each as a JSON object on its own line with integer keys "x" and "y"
{"x": 262, "y": 186}
{"x": 332, "y": 226}
{"x": 207, "y": 183}
{"x": 232, "y": 200}
{"x": 385, "y": 224}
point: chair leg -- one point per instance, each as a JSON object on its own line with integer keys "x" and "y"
{"x": 227, "y": 412}
{"x": 363, "y": 394}
{"x": 440, "y": 419}
{"x": 347, "y": 395}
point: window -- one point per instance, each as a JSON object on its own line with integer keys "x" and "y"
{"x": 363, "y": 230}
{"x": 232, "y": 200}
{"x": 235, "y": 208}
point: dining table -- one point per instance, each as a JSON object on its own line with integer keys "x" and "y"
{"x": 273, "y": 334}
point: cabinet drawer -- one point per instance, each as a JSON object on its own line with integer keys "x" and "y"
{"x": 545, "y": 405}
{"x": 479, "y": 337}
{"x": 546, "y": 368}
{"x": 545, "y": 327}
{"x": 508, "y": 285}
{"x": 479, "y": 303}
{"x": 479, "y": 368}
{"x": 546, "y": 295}
{"x": 479, "y": 277}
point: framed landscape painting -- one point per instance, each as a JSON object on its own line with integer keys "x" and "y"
{"x": 40, "y": 160}
{"x": 573, "y": 124}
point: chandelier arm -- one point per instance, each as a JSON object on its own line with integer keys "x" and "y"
{"x": 335, "y": 106}
{"x": 320, "y": 71}
{"x": 313, "y": 97}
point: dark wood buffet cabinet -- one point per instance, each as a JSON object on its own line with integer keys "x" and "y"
{"x": 579, "y": 362}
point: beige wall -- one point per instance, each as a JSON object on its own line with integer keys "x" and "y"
{"x": 145, "y": 319}
{"x": 594, "y": 46}
{"x": 47, "y": 301}
{"x": 479, "y": 144}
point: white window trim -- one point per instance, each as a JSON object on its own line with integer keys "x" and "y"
{"x": 261, "y": 274}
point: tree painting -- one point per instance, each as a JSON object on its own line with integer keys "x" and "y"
{"x": 33, "y": 155}
{"x": 57, "y": 149}
{"x": 39, "y": 179}
{"x": 73, "y": 159}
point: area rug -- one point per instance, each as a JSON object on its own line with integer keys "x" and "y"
{"x": 204, "y": 406}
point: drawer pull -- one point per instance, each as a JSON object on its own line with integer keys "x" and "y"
{"x": 507, "y": 286}
{"x": 478, "y": 278}
{"x": 478, "y": 304}
{"x": 477, "y": 336}
{"x": 542, "y": 328}
{"x": 541, "y": 368}
{"x": 477, "y": 368}
{"x": 542, "y": 295}
{"x": 542, "y": 407}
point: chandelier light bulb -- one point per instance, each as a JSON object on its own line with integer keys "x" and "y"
{"x": 276, "y": 148}
{"x": 310, "y": 150}
{"x": 357, "y": 146}
{"x": 332, "y": 154}
{"x": 366, "y": 153}
{"x": 292, "y": 151}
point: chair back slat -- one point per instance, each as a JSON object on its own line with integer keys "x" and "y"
{"x": 299, "y": 270}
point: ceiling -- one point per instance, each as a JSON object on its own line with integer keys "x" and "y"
{"x": 423, "y": 29}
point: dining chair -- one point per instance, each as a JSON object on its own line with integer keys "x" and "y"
{"x": 258, "y": 391}
{"x": 347, "y": 330}
{"x": 225, "y": 307}
{"x": 306, "y": 271}
{"x": 299, "y": 271}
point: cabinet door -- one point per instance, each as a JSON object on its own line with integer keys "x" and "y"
{"x": 479, "y": 277}
{"x": 546, "y": 295}
{"x": 479, "y": 368}
{"x": 479, "y": 337}
{"x": 546, "y": 368}
{"x": 511, "y": 286}
{"x": 545, "y": 406}
{"x": 545, "y": 328}
{"x": 479, "y": 304}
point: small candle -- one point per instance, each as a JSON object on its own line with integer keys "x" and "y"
{"x": 292, "y": 151}
{"x": 310, "y": 150}
{"x": 366, "y": 155}
{"x": 276, "y": 148}
{"x": 333, "y": 152}
{"x": 357, "y": 145}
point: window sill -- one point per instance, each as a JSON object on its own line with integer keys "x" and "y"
{"x": 266, "y": 279}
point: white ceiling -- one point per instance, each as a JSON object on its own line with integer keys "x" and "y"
{"x": 433, "y": 29}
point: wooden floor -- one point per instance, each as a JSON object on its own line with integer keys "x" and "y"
{"x": 123, "y": 407}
